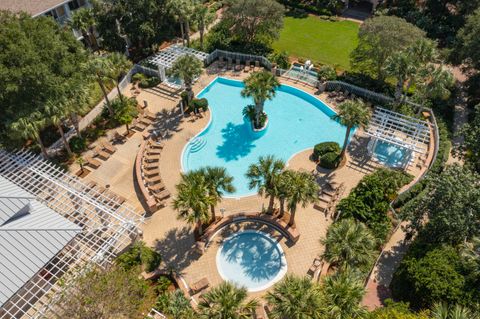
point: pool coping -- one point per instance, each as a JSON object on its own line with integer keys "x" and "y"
{"x": 282, "y": 272}
{"x": 182, "y": 168}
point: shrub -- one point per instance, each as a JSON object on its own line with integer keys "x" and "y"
{"x": 432, "y": 278}
{"x": 163, "y": 282}
{"x": 327, "y": 73}
{"x": 369, "y": 201}
{"x": 138, "y": 77}
{"x": 137, "y": 255}
{"x": 330, "y": 160}
{"x": 280, "y": 58}
{"x": 326, "y": 147}
{"x": 200, "y": 104}
{"x": 78, "y": 144}
{"x": 149, "y": 82}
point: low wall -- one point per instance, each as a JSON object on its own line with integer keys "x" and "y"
{"x": 149, "y": 201}
{"x": 290, "y": 232}
{"x": 215, "y": 55}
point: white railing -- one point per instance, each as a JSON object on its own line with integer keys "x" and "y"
{"x": 215, "y": 55}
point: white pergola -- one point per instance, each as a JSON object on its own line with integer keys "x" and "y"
{"x": 107, "y": 226}
{"x": 168, "y": 56}
{"x": 398, "y": 129}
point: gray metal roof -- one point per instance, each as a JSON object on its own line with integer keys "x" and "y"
{"x": 31, "y": 234}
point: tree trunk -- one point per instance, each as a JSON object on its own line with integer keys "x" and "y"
{"x": 212, "y": 210}
{"x": 128, "y": 129}
{"x": 75, "y": 123}
{"x": 182, "y": 32}
{"x": 87, "y": 39}
{"x": 398, "y": 90}
{"x": 345, "y": 143}
{"x": 404, "y": 99}
{"x": 270, "y": 204}
{"x": 187, "y": 32}
{"x": 65, "y": 142}
{"x": 199, "y": 227}
{"x": 258, "y": 113}
{"x": 93, "y": 39}
{"x": 42, "y": 147}
{"x": 282, "y": 206}
{"x": 188, "y": 88}
{"x": 202, "y": 30}
{"x": 292, "y": 217}
{"x": 105, "y": 95}
{"x": 119, "y": 92}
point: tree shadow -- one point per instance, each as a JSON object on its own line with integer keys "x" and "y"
{"x": 360, "y": 159}
{"x": 168, "y": 122}
{"x": 236, "y": 143}
{"x": 177, "y": 248}
{"x": 388, "y": 263}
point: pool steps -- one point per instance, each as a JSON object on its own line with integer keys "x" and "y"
{"x": 197, "y": 144}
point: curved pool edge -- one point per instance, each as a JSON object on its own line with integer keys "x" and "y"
{"x": 207, "y": 126}
{"x": 282, "y": 272}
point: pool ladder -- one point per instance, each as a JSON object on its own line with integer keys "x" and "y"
{"x": 197, "y": 144}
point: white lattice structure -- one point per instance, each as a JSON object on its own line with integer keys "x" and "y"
{"x": 398, "y": 129}
{"x": 106, "y": 226}
{"x": 168, "y": 56}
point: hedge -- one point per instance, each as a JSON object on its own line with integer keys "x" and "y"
{"x": 330, "y": 160}
{"x": 323, "y": 148}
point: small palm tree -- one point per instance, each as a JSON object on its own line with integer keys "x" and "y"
{"x": 203, "y": 17}
{"x": 56, "y": 112}
{"x": 183, "y": 10}
{"x": 342, "y": 295}
{"x": 303, "y": 190}
{"x": 120, "y": 65}
{"x": 261, "y": 87}
{"x": 349, "y": 244}
{"x": 80, "y": 161}
{"x": 295, "y": 297}
{"x": 175, "y": 305}
{"x": 444, "y": 311}
{"x": 401, "y": 66}
{"x": 218, "y": 181}
{"x": 29, "y": 128}
{"x": 101, "y": 68}
{"x": 226, "y": 301}
{"x": 351, "y": 114}
{"x": 83, "y": 20}
{"x": 187, "y": 68}
{"x": 192, "y": 200}
{"x": 125, "y": 111}
{"x": 264, "y": 176}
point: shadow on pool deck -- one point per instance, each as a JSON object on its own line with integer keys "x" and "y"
{"x": 235, "y": 145}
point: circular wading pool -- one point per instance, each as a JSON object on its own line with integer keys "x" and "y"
{"x": 251, "y": 259}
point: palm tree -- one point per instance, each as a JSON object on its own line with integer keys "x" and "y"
{"x": 120, "y": 65}
{"x": 351, "y": 114}
{"x": 29, "y": 128}
{"x": 283, "y": 189}
{"x": 83, "y": 20}
{"x": 56, "y": 112}
{"x": 436, "y": 83}
{"x": 349, "y": 244}
{"x": 101, "y": 68}
{"x": 81, "y": 162}
{"x": 78, "y": 102}
{"x": 203, "y": 17}
{"x": 342, "y": 295}
{"x": 187, "y": 68}
{"x": 125, "y": 112}
{"x": 401, "y": 66}
{"x": 175, "y": 305}
{"x": 261, "y": 87}
{"x": 183, "y": 10}
{"x": 295, "y": 297}
{"x": 264, "y": 176}
{"x": 226, "y": 301}
{"x": 444, "y": 311}
{"x": 218, "y": 181}
{"x": 303, "y": 190}
{"x": 192, "y": 200}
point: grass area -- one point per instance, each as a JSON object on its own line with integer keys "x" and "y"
{"x": 326, "y": 42}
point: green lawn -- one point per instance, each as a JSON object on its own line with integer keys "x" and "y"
{"x": 319, "y": 40}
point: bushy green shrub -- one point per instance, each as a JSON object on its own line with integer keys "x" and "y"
{"x": 139, "y": 254}
{"x": 330, "y": 160}
{"x": 138, "y": 77}
{"x": 435, "y": 277}
{"x": 327, "y": 73}
{"x": 369, "y": 201}
{"x": 280, "y": 59}
{"x": 78, "y": 144}
{"x": 163, "y": 282}
{"x": 200, "y": 104}
{"x": 326, "y": 147}
{"x": 149, "y": 82}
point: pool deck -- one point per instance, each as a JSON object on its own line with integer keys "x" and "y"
{"x": 172, "y": 237}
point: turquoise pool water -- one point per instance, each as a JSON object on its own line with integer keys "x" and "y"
{"x": 297, "y": 121}
{"x": 251, "y": 259}
{"x": 392, "y": 155}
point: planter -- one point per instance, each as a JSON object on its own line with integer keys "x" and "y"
{"x": 254, "y": 132}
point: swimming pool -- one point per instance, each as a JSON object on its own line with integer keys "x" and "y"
{"x": 392, "y": 155}
{"x": 251, "y": 259}
{"x": 297, "y": 121}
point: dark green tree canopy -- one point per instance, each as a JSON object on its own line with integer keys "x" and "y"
{"x": 39, "y": 63}
{"x": 468, "y": 42}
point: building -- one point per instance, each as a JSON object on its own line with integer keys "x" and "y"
{"x": 52, "y": 226}
{"x": 60, "y": 10}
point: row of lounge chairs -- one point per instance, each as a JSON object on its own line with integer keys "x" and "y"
{"x": 328, "y": 197}
{"x": 247, "y": 67}
{"x": 151, "y": 172}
